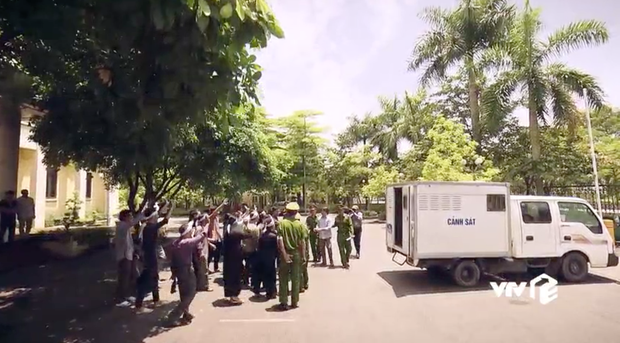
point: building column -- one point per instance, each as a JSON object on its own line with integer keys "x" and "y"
{"x": 111, "y": 205}
{"x": 39, "y": 193}
{"x": 80, "y": 188}
{"x": 10, "y": 127}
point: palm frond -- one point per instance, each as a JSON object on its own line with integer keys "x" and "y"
{"x": 574, "y": 36}
{"x": 561, "y": 104}
{"x": 576, "y": 81}
{"x": 496, "y": 99}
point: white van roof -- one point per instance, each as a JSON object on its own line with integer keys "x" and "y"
{"x": 545, "y": 198}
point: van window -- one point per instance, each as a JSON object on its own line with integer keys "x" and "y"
{"x": 535, "y": 212}
{"x": 574, "y": 212}
{"x": 496, "y": 203}
{"x": 405, "y": 202}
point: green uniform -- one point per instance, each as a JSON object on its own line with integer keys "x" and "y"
{"x": 305, "y": 280}
{"x": 345, "y": 231}
{"x": 293, "y": 234}
{"x": 312, "y": 222}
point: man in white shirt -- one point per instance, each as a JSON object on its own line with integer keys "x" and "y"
{"x": 123, "y": 244}
{"x": 25, "y": 213}
{"x": 357, "y": 217}
{"x": 324, "y": 230}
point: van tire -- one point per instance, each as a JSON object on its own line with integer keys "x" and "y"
{"x": 466, "y": 273}
{"x": 574, "y": 267}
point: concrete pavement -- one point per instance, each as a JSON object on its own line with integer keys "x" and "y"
{"x": 379, "y": 301}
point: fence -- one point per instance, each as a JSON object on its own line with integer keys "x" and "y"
{"x": 610, "y": 195}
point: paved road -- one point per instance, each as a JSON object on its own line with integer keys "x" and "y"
{"x": 379, "y": 301}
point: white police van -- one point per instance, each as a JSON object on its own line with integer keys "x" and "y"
{"x": 471, "y": 228}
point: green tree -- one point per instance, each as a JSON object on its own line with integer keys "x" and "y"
{"x": 545, "y": 88}
{"x": 301, "y": 148}
{"x": 380, "y": 178}
{"x": 452, "y": 155}
{"x": 138, "y": 98}
{"x": 458, "y": 37}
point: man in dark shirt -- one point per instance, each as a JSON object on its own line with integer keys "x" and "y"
{"x": 266, "y": 259}
{"x": 8, "y": 215}
{"x": 149, "y": 278}
{"x": 181, "y": 253}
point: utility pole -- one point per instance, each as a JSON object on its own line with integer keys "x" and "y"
{"x": 593, "y": 154}
{"x": 303, "y": 161}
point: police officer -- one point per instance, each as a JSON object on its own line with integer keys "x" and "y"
{"x": 304, "y": 267}
{"x": 291, "y": 243}
{"x": 345, "y": 232}
{"x": 312, "y": 222}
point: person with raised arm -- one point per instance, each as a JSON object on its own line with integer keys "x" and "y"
{"x": 182, "y": 251}
{"x": 148, "y": 281}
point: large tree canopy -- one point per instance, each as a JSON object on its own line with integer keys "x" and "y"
{"x": 141, "y": 89}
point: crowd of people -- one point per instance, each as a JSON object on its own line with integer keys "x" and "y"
{"x": 260, "y": 250}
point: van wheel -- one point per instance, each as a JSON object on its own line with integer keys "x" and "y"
{"x": 466, "y": 273}
{"x": 574, "y": 267}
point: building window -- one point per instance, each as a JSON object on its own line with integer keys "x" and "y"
{"x": 496, "y": 203}
{"x": 51, "y": 183}
{"x": 89, "y": 185}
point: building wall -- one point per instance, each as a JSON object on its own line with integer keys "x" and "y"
{"x": 34, "y": 176}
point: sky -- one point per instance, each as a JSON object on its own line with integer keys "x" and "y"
{"x": 338, "y": 56}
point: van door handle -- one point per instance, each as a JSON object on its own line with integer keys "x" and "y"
{"x": 567, "y": 238}
{"x": 529, "y": 238}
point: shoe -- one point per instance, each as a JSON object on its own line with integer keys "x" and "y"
{"x": 124, "y": 304}
{"x": 209, "y": 289}
{"x": 303, "y": 290}
{"x": 357, "y": 256}
{"x": 271, "y": 296}
{"x": 188, "y": 317}
{"x": 346, "y": 266}
{"x": 235, "y": 301}
{"x": 141, "y": 310}
{"x": 294, "y": 306}
{"x": 282, "y": 307}
{"x": 131, "y": 299}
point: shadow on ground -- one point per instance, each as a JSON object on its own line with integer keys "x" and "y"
{"x": 71, "y": 301}
{"x": 418, "y": 282}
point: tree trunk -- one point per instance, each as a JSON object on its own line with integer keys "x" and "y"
{"x": 535, "y": 143}
{"x": 474, "y": 105}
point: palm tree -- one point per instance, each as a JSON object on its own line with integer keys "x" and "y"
{"x": 406, "y": 119}
{"x": 546, "y": 88}
{"x": 359, "y": 130}
{"x": 458, "y": 37}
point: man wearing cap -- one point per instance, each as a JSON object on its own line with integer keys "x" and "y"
{"x": 345, "y": 231}
{"x": 182, "y": 252}
{"x": 356, "y": 217}
{"x": 291, "y": 243}
{"x": 311, "y": 223}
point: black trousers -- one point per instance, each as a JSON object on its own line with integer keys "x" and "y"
{"x": 249, "y": 266}
{"x": 148, "y": 282}
{"x": 357, "y": 240}
{"x": 8, "y": 226}
{"x": 265, "y": 275}
{"x": 214, "y": 256}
